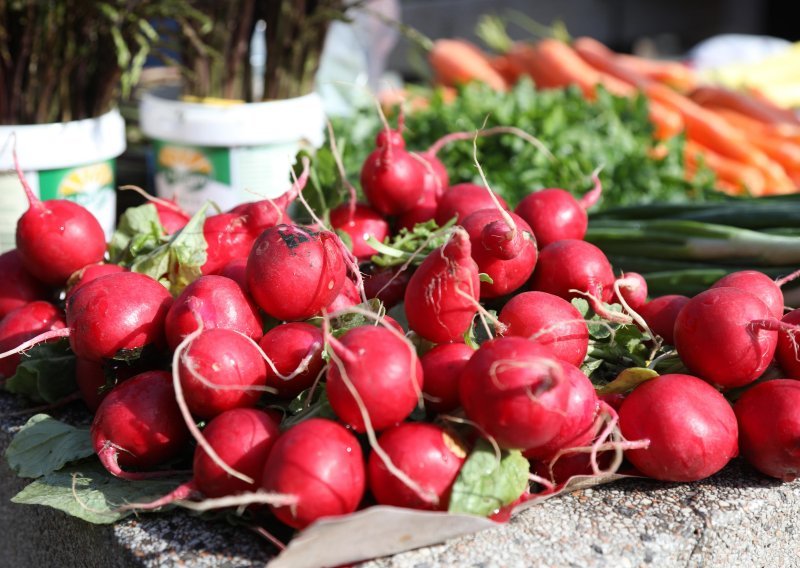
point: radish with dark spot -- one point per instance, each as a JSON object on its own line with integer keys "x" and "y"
{"x": 311, "y": 261}
{"x": 320, "y": 462}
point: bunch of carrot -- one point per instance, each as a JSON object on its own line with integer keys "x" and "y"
{"x": 752, "y": 145}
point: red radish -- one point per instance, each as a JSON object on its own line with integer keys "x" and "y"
{"x": 385, "y": 372}
{"x": 613, "y": 400}
{"x": 441, "y": 367}
{"x": 236, "y": 270}
{"x": 722, "y": 336}
{"x": 172, "y": 217}
{"x": 386, "y": 284}
{"x": 581, "y": 412}
{"x": 507, "y": 254}
{"x": 788, "y": 351}
{"x": 462, "y": 199}
{"x": 442, "y": 296}
{"x": 215, "y": 302}
{"x": 435, "y": 183}
{"x": 633, "y": 289}
{"x": 22, "y": 324}
{"x": 516, "y": 391}
{"x": 139, "y": 425}
{"x": 348, "y": 297}
{"x": 574, "y": 265}
{"x": 293, "y": 272}
{"x": 660, "y": 315}
{"x": 89, "y": 273}
{"x": 57, "y": 237}
{"x": 242, "y": 438}
{"x": 295, "y": 350}
{"x": 228, "y": 238}
{"x": 360, "y": 223}
{"x": 769, "y": 428}
{"x": 757, "y": 283}
{"x": 427, "y": 454}
{"x": 550, "y": 321}
{"x": 320, "y": 463}
{"x": 117, "y": 312}
{"x": 571, "y": 464}
{"x": 555, "y": 215}
{"x": 220, "y": 370}
{"x": 691, "y": 427}
{"x": 17, "y": 286}
{"x": 392, "y": 179}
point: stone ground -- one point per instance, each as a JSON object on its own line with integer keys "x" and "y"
{"x": 736, "y": 518}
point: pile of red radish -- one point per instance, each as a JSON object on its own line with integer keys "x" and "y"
{"x": 263, "y": 326}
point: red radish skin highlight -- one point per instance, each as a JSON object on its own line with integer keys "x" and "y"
{"x": 384, "y": 370}
{"x": 516, "y": 391}
{"x": 57, "y": 237}
{"x": 89, "y": 273}
{"x": 573, "y": 265}
{"x": 550, "y": 321}
{"x": 295, "y": 350}
{"x": 718, "y": 338}
{"x": 769, "y": 428}
{"x": 633, "y": 289}
{"x": 441, "y": 367}
{"x": 121, "y": 311}
{"x": 660, "y": 315}
{"x": 757, "y": 283}
{"x": 293, "y": 272}
{"x": 427, "y": 454}
{"x": 139, "y": 425}
{"x": 360, "y": 222}
{"x": 320, "y": 462}
{"x": 507, "y": 254}
{"x": 22, "y": 324}
{"x": 17, "y": 286}
{"x": 436, "y": 181}
{"x": 215, "y": 302}
{"x": 442, "y": 295}
{"x": 228, "y": 238}
{"x": 221, "y": 370}
{"x": 348, "y": 297}
{"x": 553, "y": 215}
{"x": 691, "y": 427}
{"x": 462, "y": 199}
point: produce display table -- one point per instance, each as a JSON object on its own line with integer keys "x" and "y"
{"x": 737, "y": 517}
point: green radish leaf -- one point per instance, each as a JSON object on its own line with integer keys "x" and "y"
{"x": 89, "y": 492}
{"x": 45, "y": 445}
{"x": 178, "y": 262}
{"x": 483, "y": 277}
{"x": 139, "y": 231}
{"x": 46, "y": 373}
{"x": 627, "y": 380}
{"x": 485, "y": 484}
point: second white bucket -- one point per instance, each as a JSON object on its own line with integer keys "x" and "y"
{"x": 228, "y": 152}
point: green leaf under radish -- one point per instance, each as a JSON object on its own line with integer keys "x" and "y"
{"x": 45, "y": 445}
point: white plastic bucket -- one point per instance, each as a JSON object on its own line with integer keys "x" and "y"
{"x": 73, "y": 160}
{"x": 227, "y": 153}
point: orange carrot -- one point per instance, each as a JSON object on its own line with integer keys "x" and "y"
{"x": 743, "y": 177}
{"x": 457, "y": 61}
{"x": 672, "y": 73}
{"x": 557, "y": 65}
{"x": 753, "y": 107}
{"x": 787, "y": 132}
